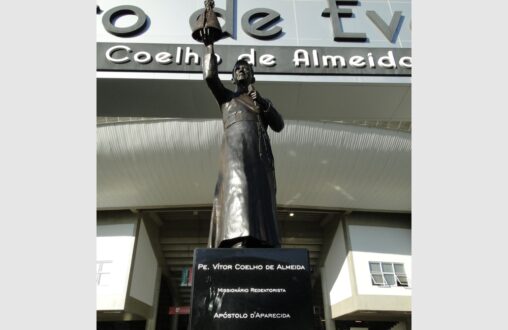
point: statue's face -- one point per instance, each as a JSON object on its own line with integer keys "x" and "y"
{"x": 243, "y": 73}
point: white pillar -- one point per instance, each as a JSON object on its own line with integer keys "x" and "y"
{"x": 152, "y": 321}
{"x": 329, "y": 322}
{"x": 174, "y": 322}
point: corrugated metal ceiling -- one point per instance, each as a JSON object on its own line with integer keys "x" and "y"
{"x": 173, "y": 163}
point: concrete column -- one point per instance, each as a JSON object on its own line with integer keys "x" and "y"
{"x": 408, "y": 323}
{"x": 399, "y": 326}
{"x": 152, "y": 321}
{"x": 329, "y": 322}
{"x": 174, "y": 322}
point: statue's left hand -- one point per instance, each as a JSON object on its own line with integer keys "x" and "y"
{"x": 256, "y": 97}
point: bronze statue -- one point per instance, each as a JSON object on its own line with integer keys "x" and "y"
{"x": 244, "y": 206}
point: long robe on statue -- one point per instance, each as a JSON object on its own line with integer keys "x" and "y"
{"x": 244, "y": 204}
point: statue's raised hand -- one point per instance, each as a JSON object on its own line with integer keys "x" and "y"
{"x": 206, "y": 36}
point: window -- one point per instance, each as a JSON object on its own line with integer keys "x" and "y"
{"x": 388, "y": 274}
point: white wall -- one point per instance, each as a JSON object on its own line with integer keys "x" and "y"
{"x": 336, "y": 269}
{"x": 114, "y": 249}
{"x": 372, "y": 243}
{"x": 144, "y": 274}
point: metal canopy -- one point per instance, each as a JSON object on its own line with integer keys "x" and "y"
{"x": 319, "y": 165}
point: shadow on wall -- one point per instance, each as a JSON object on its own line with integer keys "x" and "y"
{"x": 390, "y": 234}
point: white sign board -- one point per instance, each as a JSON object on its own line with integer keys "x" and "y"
{"x": 114, "y": 255}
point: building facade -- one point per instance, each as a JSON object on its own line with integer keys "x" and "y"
{"x": 339, "y": 72}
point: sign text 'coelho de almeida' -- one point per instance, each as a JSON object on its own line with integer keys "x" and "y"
{"x": 266, "y": 60}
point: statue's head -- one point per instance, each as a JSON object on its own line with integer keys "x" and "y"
{"x": 243, "y": 73}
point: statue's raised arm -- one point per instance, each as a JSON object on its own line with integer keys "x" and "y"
{"x": 244, "y": 205}
{"x": 211, "y": 74}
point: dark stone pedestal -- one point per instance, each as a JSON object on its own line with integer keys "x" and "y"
{"x": 251, "y": 289}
